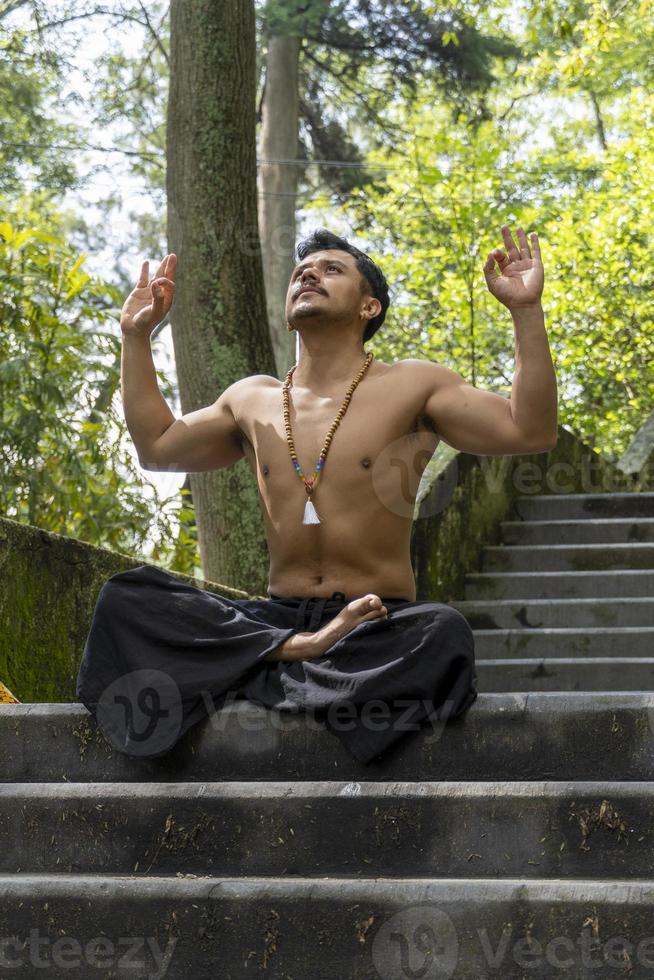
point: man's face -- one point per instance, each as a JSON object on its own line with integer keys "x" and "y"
{"x": 325, "y": 285}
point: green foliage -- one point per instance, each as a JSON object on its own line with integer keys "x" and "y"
{"x": 594, "y": 44}
{"x": 30, "y": 133}
{"x": 539, "y": 114}
{"x": 433, "y": 208}
{"x": 134, "y": 88}
{"x": 601, "y": 299}
{"x": 432, "y": 222}
{"x": 64, "y": 449}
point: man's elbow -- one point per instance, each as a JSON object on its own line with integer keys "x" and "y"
{"x": 544, "y": 445}
{"x": 147, "y": 463}
{"x": 554, "y": 438}
{"x": 148, "y": 459}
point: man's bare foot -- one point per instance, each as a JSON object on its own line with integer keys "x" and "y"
{"x": 306, "y": 646}
{"x": 358, "y": 611}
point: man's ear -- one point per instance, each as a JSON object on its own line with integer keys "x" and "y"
{"x": 372, "y": 307}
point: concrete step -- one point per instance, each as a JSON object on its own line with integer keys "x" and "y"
{"x": 560, "y": 585}
{"x": 328, "y": 928}
{"x": 474, "y": 849}
{"x": 596, "y": 641}
{"x": 566, "y": 674}
{"x": 394, "y": 829}
{"x": 565, "y": 557}
{"x": 502, "y": 736}
{"x": 590, "y": 531}
{"x": 573, "y": 506}
{"x": 536, "y": 613}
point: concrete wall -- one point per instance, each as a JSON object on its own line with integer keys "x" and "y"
{"x": 48, "y": 589}
{"x": 639, "y": 457}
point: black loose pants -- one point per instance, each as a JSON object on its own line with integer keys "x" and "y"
{"x": 161, "y": 654}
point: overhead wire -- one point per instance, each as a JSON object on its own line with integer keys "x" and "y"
{"x": 444, "y": 171}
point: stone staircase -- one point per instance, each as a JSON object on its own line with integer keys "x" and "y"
{"x": 516, "y": 842}
{"x": 566, "y": 602}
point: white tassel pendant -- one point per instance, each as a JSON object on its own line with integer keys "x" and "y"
{"x": 310, "y": 514}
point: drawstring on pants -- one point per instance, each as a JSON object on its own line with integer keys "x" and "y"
{"x": 311, "y": 608}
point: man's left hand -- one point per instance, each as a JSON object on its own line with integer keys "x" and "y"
{"x": 521, "y": 277}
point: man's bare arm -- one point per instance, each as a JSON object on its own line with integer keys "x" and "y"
{"x": 533, "y": 392}
{"x": 145, "y": 409}
{"x": 484, "y": 422}
{"x": 477, "y": 421}
{"x": 207, "y": 439}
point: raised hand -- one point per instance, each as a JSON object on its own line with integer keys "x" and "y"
{"x": 521, "y": 277}
{"x": 150, "y": 300}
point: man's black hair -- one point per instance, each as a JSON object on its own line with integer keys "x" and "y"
{"x": 373, "y": 278}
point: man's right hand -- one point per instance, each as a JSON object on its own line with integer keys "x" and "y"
{"x": 150, "y": 300}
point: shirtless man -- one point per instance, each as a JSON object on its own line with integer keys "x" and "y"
{"x": 336, "y": 296}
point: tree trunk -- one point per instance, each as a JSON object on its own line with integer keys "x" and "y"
{"x": 219, "y": 326}
{"x": 278, "y": 188}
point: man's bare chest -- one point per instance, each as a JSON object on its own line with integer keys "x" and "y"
{"x": 383, "y": 421}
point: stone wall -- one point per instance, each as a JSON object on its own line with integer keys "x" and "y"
{"x": 48, "y": 589}
{"x": 638, "y": 460}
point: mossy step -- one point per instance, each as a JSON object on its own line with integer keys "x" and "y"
{"x": 318, "y": 928}
{"x": 609, "y": 530}
{"x": 574, "y": 506}
{"x": 400, "y": 829}
{"x": 560, "y": 585}
{"x": 502, "y": 736}
{"x": 566, "y": 674}
{"x": 486, "y": 614}
{"x": 552, "y": 641}
{"x": 567, "y": 557}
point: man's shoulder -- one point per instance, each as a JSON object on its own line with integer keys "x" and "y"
{"x": 257, "y": 381}
{"x": 241, "y": 398}
{"x": 251, "y": 383}
{"x": 424, "y": 377}
{"x": 418, "y": 368}
{"x": 239, "y": 394}
{"x": 415, "y": 364}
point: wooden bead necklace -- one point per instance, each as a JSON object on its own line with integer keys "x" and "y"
{"x": 310, "y": 512}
